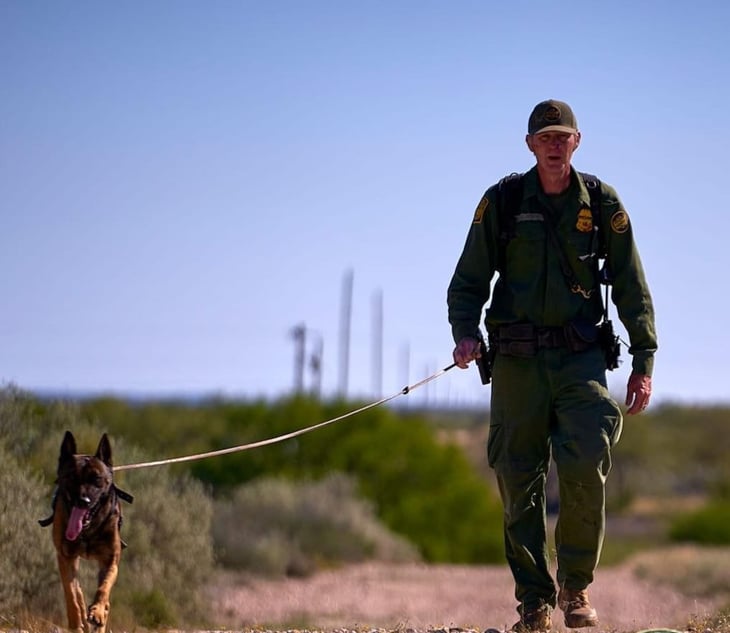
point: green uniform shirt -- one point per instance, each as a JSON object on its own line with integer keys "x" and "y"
{"x": 532, "y": 286}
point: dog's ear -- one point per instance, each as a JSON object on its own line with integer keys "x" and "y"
{"x": 68, "y": 450}
{"x": 68, "y": 446}
{"x": 104, "y": 450}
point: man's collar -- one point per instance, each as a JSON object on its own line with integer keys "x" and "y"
{"x": 532, "y": 187}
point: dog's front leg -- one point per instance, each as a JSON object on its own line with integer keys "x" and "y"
{"x": 99, "y": 610}
{"x": 75, "y": 608}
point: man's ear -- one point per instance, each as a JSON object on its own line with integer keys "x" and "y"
{"x": 577, "y": 139}
{"x": 528, "y": 140}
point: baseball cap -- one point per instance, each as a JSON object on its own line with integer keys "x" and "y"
{"x": 552, "y": 116}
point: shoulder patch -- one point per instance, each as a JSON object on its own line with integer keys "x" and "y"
{"x": 620, "y": 221}
{"x": 481, "y": 210}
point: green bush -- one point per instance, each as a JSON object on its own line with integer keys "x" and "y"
{"x": 426, "y": 491}
{"x": 673, "y": 450}
{"x": 278, "y": 527}
{"x": 708, "y": 526}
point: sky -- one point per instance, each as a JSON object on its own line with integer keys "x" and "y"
{"x": 184, "y": 182}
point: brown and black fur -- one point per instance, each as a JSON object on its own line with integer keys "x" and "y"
{"x": 86, "y": 519}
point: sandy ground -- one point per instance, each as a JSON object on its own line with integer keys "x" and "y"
{"x": 423, "y": 597}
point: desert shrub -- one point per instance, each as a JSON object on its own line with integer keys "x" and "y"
{"x": 170, "y": 555}
{"x": 154, "y": 608}
{"x": 28, "y": 580}
{"x": 275, "y": 526}
{"x": 691, "y": 570}
{"x": 709, "y": 525}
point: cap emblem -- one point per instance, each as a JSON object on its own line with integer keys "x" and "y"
{"x": 552, "y": 115}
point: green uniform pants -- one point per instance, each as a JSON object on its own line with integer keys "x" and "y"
{"x": 555, "y": 403}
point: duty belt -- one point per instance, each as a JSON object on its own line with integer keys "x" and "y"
{"x": 525, "y": 339}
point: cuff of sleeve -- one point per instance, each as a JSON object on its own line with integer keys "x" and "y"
{"x": 643, "y": 363}
{"x": 460, "y": 331}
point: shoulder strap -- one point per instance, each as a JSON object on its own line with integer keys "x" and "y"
{"x": 594, "y": 192}
{"x": 509, "y": 198}
{"x": 604, "y": 274}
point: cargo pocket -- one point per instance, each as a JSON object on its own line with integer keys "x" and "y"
{"x": 580, "y": 335}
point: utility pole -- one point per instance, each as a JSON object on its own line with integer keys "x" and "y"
{"x": 405, "y": 366}
{"x": 426, "y": 387}
{"x": 345, "y": 319}
{"x": 377, "y": 343}
{"x": 315, "y": 366}
{"x": 299, "y": 334}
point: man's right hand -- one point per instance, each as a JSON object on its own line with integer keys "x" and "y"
{"x": 638, "y": 393}
{"x": 466, "y": 350}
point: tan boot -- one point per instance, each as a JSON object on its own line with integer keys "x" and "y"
{"x": 577, "y": 608}
{"x": 533, "y": 620}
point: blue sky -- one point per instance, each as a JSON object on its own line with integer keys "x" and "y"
{"x": 183, "y": 182}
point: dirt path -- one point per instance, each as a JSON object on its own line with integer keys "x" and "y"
{"x": 425, "y": 597}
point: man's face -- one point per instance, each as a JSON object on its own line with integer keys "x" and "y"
{"x": 553, "y": 150}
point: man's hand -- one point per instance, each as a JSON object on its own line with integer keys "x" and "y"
{"x": 638, "y": 392}
{"x": 466, "y": 350}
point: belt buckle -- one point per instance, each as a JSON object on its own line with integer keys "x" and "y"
{"x": 544, "y": 338}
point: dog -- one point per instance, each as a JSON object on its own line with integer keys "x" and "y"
{"x": 86, "y": 519}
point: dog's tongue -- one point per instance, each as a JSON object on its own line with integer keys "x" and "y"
{"x": 75, "y": 523}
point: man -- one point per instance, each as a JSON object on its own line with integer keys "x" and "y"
{"x": 549, "y": 395}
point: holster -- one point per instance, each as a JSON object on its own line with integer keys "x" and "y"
{"x": 610, "y": 344}
{"x": 486, "y": 359}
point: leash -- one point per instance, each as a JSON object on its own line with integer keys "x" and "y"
{"x": 281, "y": 438}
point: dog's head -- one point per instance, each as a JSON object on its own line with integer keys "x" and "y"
{"x": 84, "y": 481}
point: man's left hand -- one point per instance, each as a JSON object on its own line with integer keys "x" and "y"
{"x": 638, "y": 392}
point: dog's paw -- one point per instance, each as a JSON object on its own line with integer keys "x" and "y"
{"x": 98, "y": 614}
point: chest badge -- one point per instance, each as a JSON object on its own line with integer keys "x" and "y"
{"x": 585, "y": 221}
